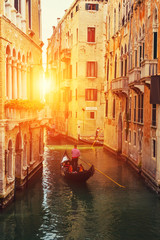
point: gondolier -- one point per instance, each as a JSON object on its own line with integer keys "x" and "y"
{"x": 75, "y": 156}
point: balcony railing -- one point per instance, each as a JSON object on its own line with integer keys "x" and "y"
{"x": 65, "y": 54}
{"x": 134, "y": 75}
{"x": 149, "y": 68}
{"x": 21, "y": 114}
{"x": 120, "y": 84}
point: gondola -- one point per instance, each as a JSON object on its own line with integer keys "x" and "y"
{"x": 79, "y": 177}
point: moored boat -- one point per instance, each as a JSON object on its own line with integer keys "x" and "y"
{"x": 75, "y": 176}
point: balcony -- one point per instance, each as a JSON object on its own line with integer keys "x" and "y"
{"x": 120, "y": 85}
{"x": 65, "y": 55}
{"x": 134, "y": 75}
{"x": 149, "y": 68}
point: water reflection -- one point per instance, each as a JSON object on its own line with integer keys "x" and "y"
{"x": 51, "y": 208}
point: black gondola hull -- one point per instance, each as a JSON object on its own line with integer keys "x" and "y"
{"x": 76, "y": 176}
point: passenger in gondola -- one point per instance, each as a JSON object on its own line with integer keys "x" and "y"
{"x": 75, "y": 156}
{"x": 67, "y": 165}
{"x": 81, "y": 168}
{"x": 70, "y": 168}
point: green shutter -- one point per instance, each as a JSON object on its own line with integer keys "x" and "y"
{"x": 86, "y": 6}
{"x": 97, "y": 7}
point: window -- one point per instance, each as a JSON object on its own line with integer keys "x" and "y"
{"x": 153, "y": 114}
{"x": 29, "y": 14}
{"x": 91, "y": 69}
{"x": 17, "y": 5}
{"x": 91, "y": 34}
{"x": 155, "y": 45}
{"x": 140, "y": 55}
{"x": 77, "y": 8}
{"x": 129, "y": 136}
{"x": 106, "y": 113}
{"x": 108, "y": 70}
{"x": 71, "y": 14}
{"x": 143, "y": 50}
{"x": 115, "y": 67}
{"x": 126, "y": 134}
{"x": 134, "y": 139}
{"x": 140, "y": 108}
{"x": 153, "y": 148}
{"x": 90, "y": 6}
{"x": 114, "y": 108}
{"x": 135, "y": 64}
{"x": 125, "y": 67}
{"x": 130, "y": 101}
{"x": 91, "y": 95}
{"x": 92, "y": 115}
{"x": 135, "y": 107}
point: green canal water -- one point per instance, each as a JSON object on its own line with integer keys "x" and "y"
{"x": 49, "y": 208}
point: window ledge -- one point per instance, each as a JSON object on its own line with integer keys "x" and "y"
{"x": 91, "y": 77}
{"x": 92, "y": 43}
{"x": 152, "y": 126}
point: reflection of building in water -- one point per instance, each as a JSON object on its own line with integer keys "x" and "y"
{"x": 21, "y": 134}
{"x": 76, "y": 66}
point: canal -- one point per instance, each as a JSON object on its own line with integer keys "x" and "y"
{"x": 49, "y": 208}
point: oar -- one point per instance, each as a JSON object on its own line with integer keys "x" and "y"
{"x": 104, "y": 174}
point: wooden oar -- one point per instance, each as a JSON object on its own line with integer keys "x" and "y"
{"x": 104, "y": 174}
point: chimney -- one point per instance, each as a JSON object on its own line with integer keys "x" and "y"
{"x": 58, "y": 19}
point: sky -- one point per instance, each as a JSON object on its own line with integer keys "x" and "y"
{"x": 51, "y": 10}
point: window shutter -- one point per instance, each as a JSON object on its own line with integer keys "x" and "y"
{"x": 86, "y": 6}
{"x": 95, "y": 94}
{"x": 86, "y": 94}
{"x": 96, "y": 69}
{"x": 97, "y": 7}
{"x": 87, "y": 69}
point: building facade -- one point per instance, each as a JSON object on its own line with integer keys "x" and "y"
{"x": 76, "y": 67}
{"x": 132, "y": 60}
{"x": 21, "y": 125}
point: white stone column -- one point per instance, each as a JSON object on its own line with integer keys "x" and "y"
{"x": 8, "y": 9}
{"x": 23, "y": 9}
{"x": 14, "y": 77}
{"x": 25, "y": 82}
{"x": 13, "y": 15}
{"x": 19, "y": 91}
{"x": 9, "y": 78}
